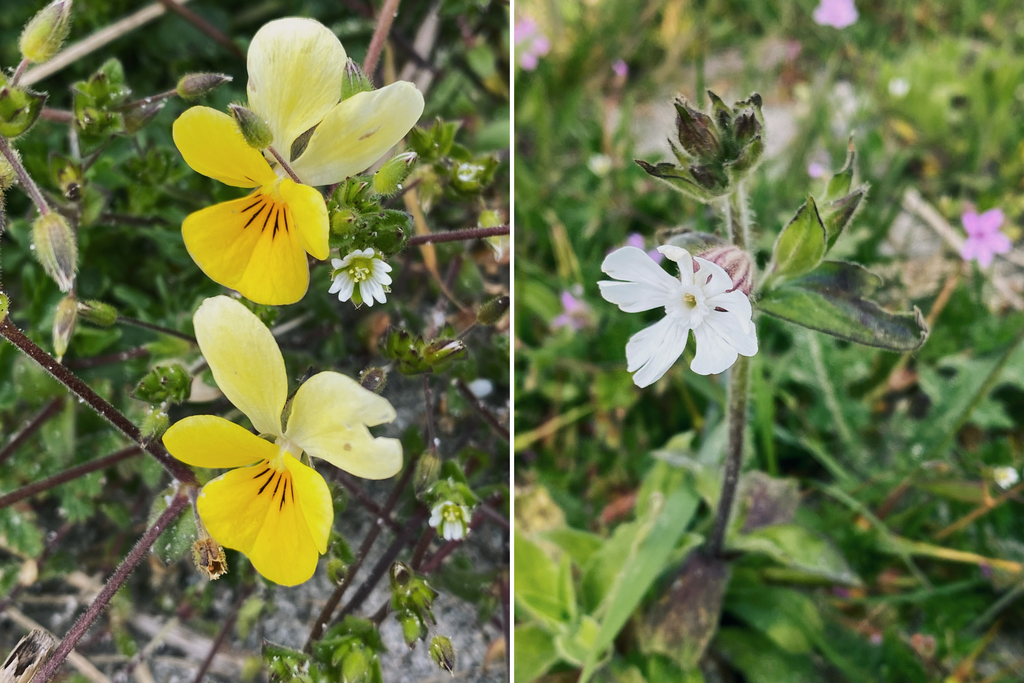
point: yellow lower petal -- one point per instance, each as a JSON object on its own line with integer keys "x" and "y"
{"x": 310, "y": 213}
{"x": 279, "y": 518}
{"x": 211, "y": 441}
{"x": 329, "y": 419}
{"x": 252, "y": 245}
{"x": 210, "y": 142}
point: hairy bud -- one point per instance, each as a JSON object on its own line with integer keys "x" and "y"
{"x": 492, "y": 311}
{"x": 354, "y": 81}
{"x": 7, "y": 175}
{"x": 64, "y": 323}
{"x": 735, "y": 262}
{"x": 254, "y": 129}
{"x": 19, "y": 108}
{"x": 426, "y": 472}
{"x": 5, "y": 305}
{"x": 374, "y": 379}
{"x": 46, "y": 31}
{"x": 194, "y": 86}
{"x": 56, "y": 248}
{"x": 388, "y": 180}
{"x": 97, "y": 313}
{"x": 443, "y": 654}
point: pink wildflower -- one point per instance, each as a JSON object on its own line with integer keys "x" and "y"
{"x": 835, "y": 13}
{"x": 575, "y": 313}
{"x": 984, "y": 240}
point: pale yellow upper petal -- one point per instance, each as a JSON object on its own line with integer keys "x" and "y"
{"x": 357, "y": 132}
{"x": 296, "y": 68}
{"x": 211, "y": 441}
{"x": 254, "y": 245}
{"x": 245, "y": 360}
{"x": 329, "y": 418}
{"x": 310, "y": 212}
{"x": 210, "y": 142}
{"x": 280, "y": 518}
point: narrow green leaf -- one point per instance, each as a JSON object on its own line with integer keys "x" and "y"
{"x": 797, "y": 547}
{"x": 839, "y": 185}
{"x": 830, "y": 300}
{"x": 535, "y": 653}
{"x": 801, "y": 244}
{"x": 839, "y": 213}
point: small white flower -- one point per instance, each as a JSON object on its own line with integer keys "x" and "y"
{"x": 451, "y": 520}
{"x": 365, "y": 268}
{"x": 1005, "y": 477}
{"x": 899, "y": 87}
{"x": 704, "y": 302}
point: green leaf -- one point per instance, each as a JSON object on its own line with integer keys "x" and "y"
{"x": 801, "y": 244}
{"x": 789, "y": 618}
{"x": 535, "y": 653}
{"x": 538, "y": 584}
{"x": 760, "y": 661}
{"x": 830, "y": 300}
{"x": 799, "y": 548}
{"x": 578, "y": 545}
{"x": 178, "y": 537}
{"x": 839, "y": 185}
{"x": 647, "y": 560}
{"x": 838, "y": 214}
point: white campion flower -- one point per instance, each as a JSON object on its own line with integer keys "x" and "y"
{"x": 451, "y": 520}
{"x": 1005, "y": 477}
{"x": 365, "y": 268}
{"x": 704, "y": 301}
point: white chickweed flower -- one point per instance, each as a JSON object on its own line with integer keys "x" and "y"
{"x": 362, "y": 276}
{"x": 451, "y": 520}
{"x": 1005, "y": 477}
{"x": 704, "y": 301}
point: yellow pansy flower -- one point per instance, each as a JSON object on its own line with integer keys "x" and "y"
{"x": 273, "y": 507}
{"x": 258, "y": 244}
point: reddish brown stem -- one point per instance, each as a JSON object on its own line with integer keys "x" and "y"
{"x": 177, "y": 469}
{"x": 47, "y": 411}
{"x": 117, "y": 580}
{"x": 68, "y": 475}
{"x": 380, "y": 35}
{"x": 456, "y": 235}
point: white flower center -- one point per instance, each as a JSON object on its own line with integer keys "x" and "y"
{"x": 688, "y": 305}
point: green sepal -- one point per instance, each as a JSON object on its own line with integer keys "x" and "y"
{"x": 839, "y": 214}
{"x": 800, "y": 246}
{"x": 19, "y": 108}
{"x": 164, "y": 383}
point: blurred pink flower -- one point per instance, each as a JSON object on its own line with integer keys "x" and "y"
{"x": 537, "y": 44}
{"x": 815, "y": 170}
{"x": 620, "y": 68}
{"x": 575, "y": 313}
{"x": 635, "y": 239}
{"x": 835, "y": 13}
{"x": 984, "y": 240}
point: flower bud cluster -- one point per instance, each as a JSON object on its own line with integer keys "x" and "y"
{"x": 412, "y": 600}
{"x": 716, "y": 151}
{"x": 414, "y": 355}
{"x": 359, "y": 221}
{"x": 350, "y": 650}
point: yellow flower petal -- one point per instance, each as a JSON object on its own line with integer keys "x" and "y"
{"x": 358, "y": 132}
{"x": 279, "y": 518}
{"x": 211, "y": 441}
{"x": 253, "y": 245}
{"x": 244, "y": 359}
{"x": 296, "y": 68}
{"x": 211, "y": 144}
{"x": 310, "y": 212}
{"x": 329, "y": 419}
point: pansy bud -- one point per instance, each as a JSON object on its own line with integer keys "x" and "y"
{"x": 97, "y": 313}
{"x": 46, "y": 31}
{"x": 373, "y": 379}
{"x": 194, "y": 86}
{"x": 7, "y": 174}
{"x": 426, "y": 472}
{"x": 354, "y": 81}
{"x": 492, "y": 311}
{"x": 443, "y": 654}
{"x": 56, "y": 248}
{"x": 735, "y": 262}
{"x": 388, "y": 180}
{"x": 64, "y": 323}
{"x": 255, "y": 130}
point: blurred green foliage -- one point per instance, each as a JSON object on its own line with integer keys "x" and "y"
{"x": 867, "y": 579}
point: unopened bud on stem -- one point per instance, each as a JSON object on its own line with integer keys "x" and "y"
{"x": 64, "y": 323}
{"x": 374, "y": 379}
{"x": 254, "y": 129}
{"x": 354, "y": 81}
{"x": 490, "y": 313}
{"x": 194, "y": 86}
{"x": 7, "y": 174}
{"x": 443, "y": 654}
{"x": 56, "y": 248}
{"x": 46, "y": 31}
{"x": 735, "y": 262}
{"x": 388, "y": 180}
{"x": 97, "y": 313}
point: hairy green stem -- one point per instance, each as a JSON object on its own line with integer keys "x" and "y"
{"x": 178, "y": 470}
{"x": 27, "y": 184}
{"x": 736, "y": 414}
